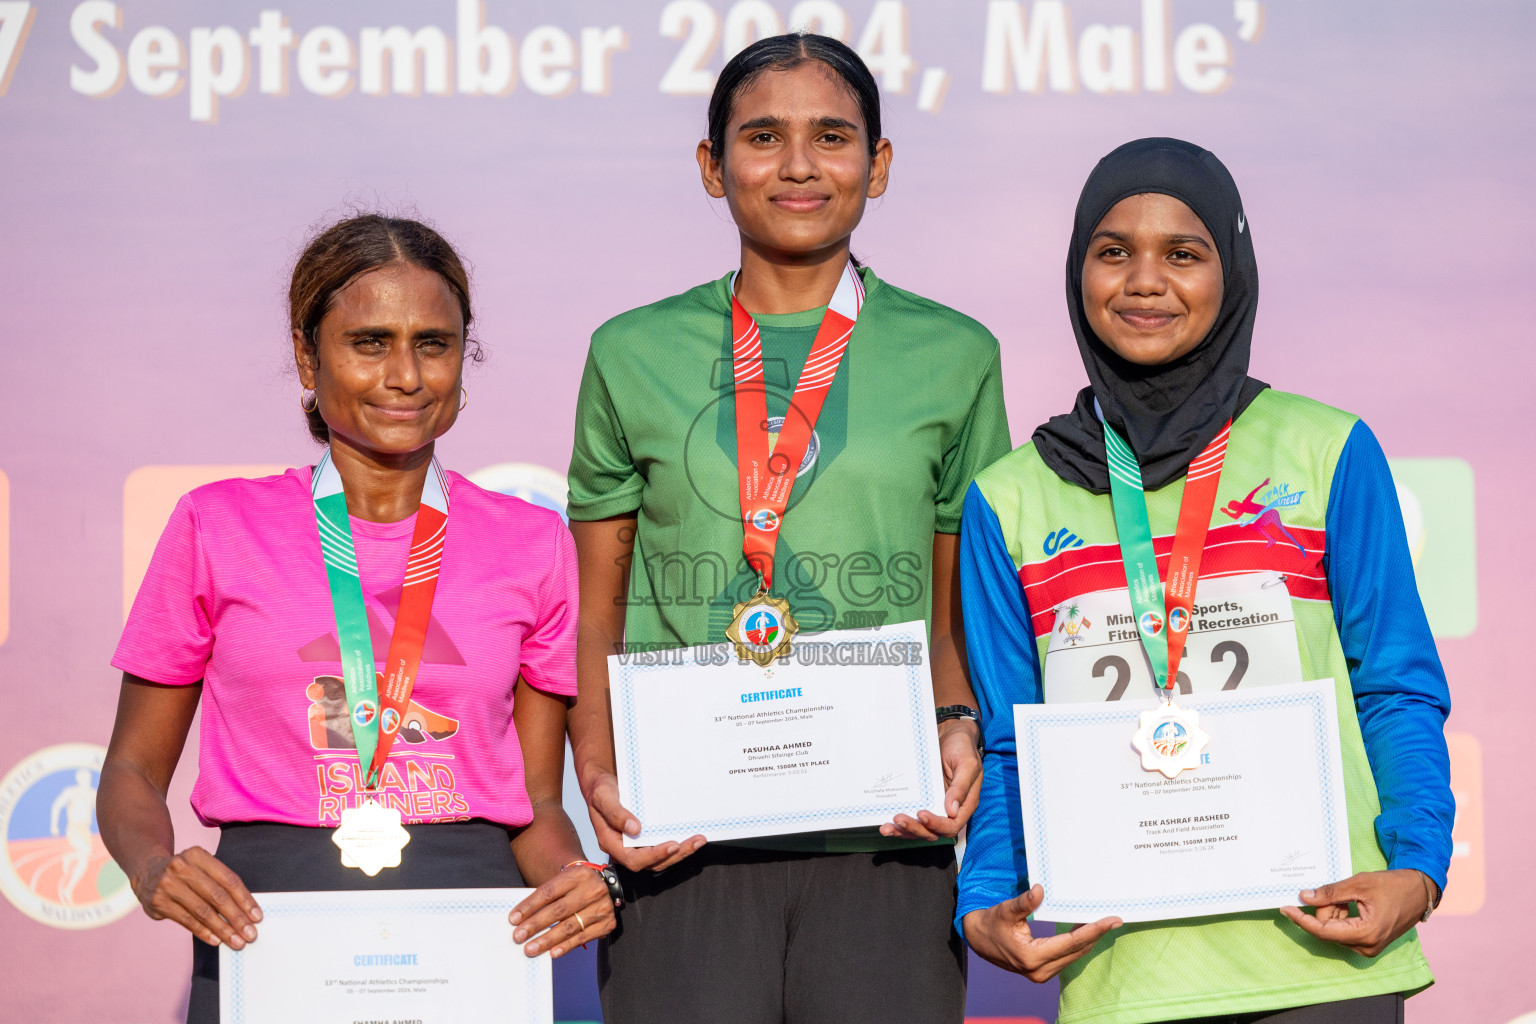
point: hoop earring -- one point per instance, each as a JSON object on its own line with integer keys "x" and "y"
{"x": 463, "y": 398}
{"x": 312, "y": 399}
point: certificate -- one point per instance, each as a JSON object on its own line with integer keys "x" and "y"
{"x": 838, "y": 734}
{"x": 433, "y": 956}
{"x": 1261, "y": 818}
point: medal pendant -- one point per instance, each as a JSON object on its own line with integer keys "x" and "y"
{"x": 762, "y": 628}
{"x": 371, "y": 837}
{"x": 1170, "y": 739}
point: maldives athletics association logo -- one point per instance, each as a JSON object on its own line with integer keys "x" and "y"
{"x": 762, "y": 629}
{"x": 1170, "y": 738}
{"x": 1150, "y": 623}
{"x": 765, "y": 519}
{"x": 53, "y": 865}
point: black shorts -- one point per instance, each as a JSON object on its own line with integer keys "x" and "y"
{"x": 291, "y": 858}
{"x": 1387, "y": 1009}
{"x": 764, "y": 937}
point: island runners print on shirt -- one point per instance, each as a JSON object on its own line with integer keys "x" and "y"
{"x": 419, "y": 784}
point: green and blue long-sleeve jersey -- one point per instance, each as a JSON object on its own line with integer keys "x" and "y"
{"x": 1342, "y": 550}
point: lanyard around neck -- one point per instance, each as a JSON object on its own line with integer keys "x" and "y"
{"x": 376, "y": 719}
{"x": 767, "y": 471}
{"x": 1163, "y": 613}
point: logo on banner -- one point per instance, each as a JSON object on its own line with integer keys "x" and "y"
{"x": 535, "y": 484}
{"x": 1150, "y": 623}
{"x": 1440, "y": 516}
{"x": 53, "y": 865}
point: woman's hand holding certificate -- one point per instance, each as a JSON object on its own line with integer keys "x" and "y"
{"x": 1388, "y": 904}
{"x": 1001, "y": 936}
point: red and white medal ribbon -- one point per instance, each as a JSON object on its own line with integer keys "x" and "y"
{"x": 767, "y": 471}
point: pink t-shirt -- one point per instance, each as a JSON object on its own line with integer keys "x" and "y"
{"x": 236, "y": 596}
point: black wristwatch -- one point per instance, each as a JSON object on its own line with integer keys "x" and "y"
{"x": 950, "y": 711}
{"x": 609, "y": 877}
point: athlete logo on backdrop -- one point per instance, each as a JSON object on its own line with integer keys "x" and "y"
{"x": 1074, "y": 627}
{"x": 535, "y": 484}
{"x": 1266, "y": 517}
{"x": 53, "y": 865}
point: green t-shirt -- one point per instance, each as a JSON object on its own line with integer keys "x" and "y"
{"x": 916, "y": 409}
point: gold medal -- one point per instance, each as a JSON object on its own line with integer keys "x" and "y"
{"x": 371, "y": 837}
{"x": 762, "y": 628}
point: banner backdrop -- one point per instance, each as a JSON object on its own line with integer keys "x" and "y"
{"x": 164, "y": 162}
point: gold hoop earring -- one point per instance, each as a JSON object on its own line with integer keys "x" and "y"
{"x": 463, "y": 398}
{"x": 309, "y": 396}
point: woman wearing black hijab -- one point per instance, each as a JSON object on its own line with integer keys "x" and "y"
{"x": 1162, "y": 288}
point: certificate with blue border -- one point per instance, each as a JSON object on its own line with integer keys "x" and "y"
{"x": 424, "y": 956}
{"x": 839, "y": 734}
{"x": 1261, "y": 818}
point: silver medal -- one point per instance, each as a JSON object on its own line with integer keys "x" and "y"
{"x": 371, "y": 837}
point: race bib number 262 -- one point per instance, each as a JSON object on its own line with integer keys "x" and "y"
{"x": 1242, "y": 634}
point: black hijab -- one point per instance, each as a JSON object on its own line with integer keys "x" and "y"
{"x": 1167, "y": 413}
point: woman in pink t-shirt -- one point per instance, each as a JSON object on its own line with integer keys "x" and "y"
{"x": 260, "y": 591}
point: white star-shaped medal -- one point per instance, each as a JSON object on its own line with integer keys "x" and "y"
{"x": 1170, "y": 739}
{"x": 371, "y": 837}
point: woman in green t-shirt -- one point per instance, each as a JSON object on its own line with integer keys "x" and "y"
{"x": 892, "y": 420}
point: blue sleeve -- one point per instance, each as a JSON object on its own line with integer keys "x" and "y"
{"x": 1005, "y": 670}
{"x": 1401, "y": 697}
